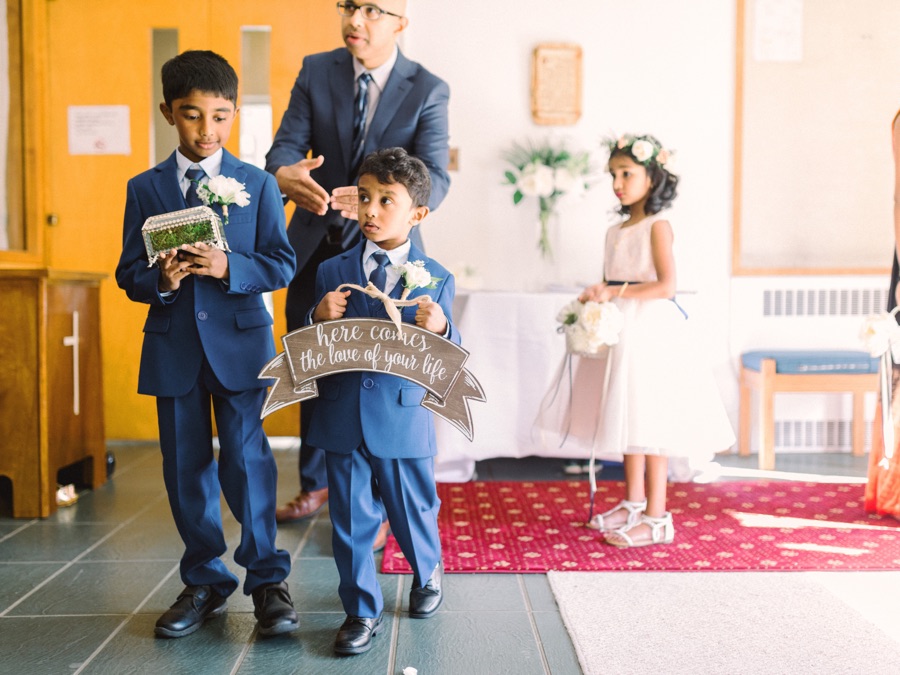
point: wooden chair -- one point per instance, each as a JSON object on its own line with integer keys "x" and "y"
{"x": 819, "y": 371}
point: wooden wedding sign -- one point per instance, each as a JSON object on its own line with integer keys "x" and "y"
{"x": 378, "y": 346}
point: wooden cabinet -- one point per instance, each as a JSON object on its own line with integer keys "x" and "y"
{"x": 51, "y": 384}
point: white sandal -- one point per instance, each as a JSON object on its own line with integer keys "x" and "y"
{"x": 662, "y": 531}
{"x": 635, "y": 511}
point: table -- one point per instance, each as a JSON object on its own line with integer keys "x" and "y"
{"x": 515, "y": 352}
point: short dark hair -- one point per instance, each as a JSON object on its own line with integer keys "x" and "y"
{"x": 200, "y": 70}
{"x": 395, "y": 165}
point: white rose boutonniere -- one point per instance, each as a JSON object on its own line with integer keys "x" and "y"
{"x": 223, "y": 191}
{"x": 415, "y": 276}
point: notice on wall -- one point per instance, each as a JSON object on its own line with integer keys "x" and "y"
{"x": 99, "y": 130}
{"x": 778, "y": 31}
{"x": 556, "y": 84}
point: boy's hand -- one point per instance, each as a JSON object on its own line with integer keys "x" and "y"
{"x": 205, "y": 260}
{"x": 332, "y": 306}
{"x": 430, "y": 315}
{"x": 346, "y": 199}
{"x": 295, "y": 181}
{"x": 172, "y": 270}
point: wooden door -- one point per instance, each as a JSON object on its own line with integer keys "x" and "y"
{"x": 100, "y": 54}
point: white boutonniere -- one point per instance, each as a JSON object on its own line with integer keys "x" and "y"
{"x": 223, "y": 191}
{"x": 415, "y": 276}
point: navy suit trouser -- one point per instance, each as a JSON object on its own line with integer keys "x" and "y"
{"x": 245, "y": 473}
{"x": 357, "y": 482}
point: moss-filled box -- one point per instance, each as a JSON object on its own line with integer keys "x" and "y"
{"x": 190, "y": 226}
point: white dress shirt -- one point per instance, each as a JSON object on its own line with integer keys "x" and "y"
{"x": 397, "y": 256}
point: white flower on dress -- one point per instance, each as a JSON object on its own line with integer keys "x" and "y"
{"x": 879, "y": 332}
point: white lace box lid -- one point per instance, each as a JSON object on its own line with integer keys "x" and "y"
{"x": 189, "y": 226}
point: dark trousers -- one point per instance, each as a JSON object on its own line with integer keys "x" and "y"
{"x": 245, "y": 474}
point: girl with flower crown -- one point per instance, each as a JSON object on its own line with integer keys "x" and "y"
{"x": 657, "y": 402}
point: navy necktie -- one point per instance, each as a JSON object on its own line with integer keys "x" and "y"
{"x": 360, "y": 114}
{"x": 192, "y": 197}
{"x": 378, "y": 277}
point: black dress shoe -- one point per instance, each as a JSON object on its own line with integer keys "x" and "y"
{"x": 273, "y": 609}
{"x": 355, "y": 635}
{"x": 193, "y": 607}
{"x": 425, "y": 600}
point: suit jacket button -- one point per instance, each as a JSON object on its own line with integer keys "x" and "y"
{"x": 203, "y": 316}
{"x": 368, "y": 383}
{"x": 243, "y": 285}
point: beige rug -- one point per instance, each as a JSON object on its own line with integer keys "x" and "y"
{"x": 732, "y": 622}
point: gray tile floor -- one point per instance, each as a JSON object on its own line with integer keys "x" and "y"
{"x": 80, "y": 591}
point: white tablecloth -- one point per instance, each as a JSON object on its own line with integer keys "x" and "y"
{"x": 515, "y": 352}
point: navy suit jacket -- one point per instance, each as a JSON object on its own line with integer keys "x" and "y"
{"x": 381, "y": 409}
{"x": 411, "y": 113}
{"x": 225, "y": 321}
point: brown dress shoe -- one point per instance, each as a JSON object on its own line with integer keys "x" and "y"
{"x": 304, "y": 505}
{"x": 381, "y": 537}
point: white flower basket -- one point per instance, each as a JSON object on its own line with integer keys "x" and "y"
{"x": 575, "y": 344}
{"x": 590, "y": 327}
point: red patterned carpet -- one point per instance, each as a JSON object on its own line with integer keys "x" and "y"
{"x": 535, "y": 527}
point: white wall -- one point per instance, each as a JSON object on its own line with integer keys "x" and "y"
{"x": 660, "y": 66}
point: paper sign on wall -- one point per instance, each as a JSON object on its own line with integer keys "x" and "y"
{"x": 99, "y": 130}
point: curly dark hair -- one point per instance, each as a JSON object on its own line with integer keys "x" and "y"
{"x": 663, "y": 184}
{"x": 395, "y": 165}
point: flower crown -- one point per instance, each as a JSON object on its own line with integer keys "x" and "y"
{"x": 644, "y": 148}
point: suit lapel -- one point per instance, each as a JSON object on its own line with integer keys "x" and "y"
{"x": 165, "y": 182}
{"x": 232, "y": 167}
{"x": 398, "y": 85}
{"x": 341, "y": 84}
{"x": 350, "y": 271}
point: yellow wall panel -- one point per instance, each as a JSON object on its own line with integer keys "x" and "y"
{"x": 99, "y": 53}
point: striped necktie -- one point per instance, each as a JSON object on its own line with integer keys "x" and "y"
{"x": 378, "y": 277}
{"x": 360, "y": 114}
{"x": 192, "y": 197}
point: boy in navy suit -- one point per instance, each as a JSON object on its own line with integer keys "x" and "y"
{"x": 379, "y": 440}
{"x": 207, "y": 336}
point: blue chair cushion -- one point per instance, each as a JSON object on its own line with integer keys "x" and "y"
{"x": 811, "y": 361}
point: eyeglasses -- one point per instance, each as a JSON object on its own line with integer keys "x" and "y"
{"x": 369, "y": 12}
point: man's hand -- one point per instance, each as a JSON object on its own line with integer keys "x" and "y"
{"x": 294, "y": 181}
{"x": 346, "y": 200}
{"x": 205, "y": 260}
{"x": 430, "y": 315}
{"x": 332, "y": 306}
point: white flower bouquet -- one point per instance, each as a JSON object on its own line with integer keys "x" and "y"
{"x": 880, "y": 333}
{"x": 548, "y": 173}
{"x": 590, "y": 327}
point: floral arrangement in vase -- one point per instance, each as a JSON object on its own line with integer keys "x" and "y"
{"x": 547, "y": 172}
{"x": 590, "y": 327}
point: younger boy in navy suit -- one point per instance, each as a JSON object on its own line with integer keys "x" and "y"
{"x": 207, "y": 336}
{"x": 379, "y": 440}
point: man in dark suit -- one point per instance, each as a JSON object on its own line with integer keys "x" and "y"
{"x": 338, "y": 121}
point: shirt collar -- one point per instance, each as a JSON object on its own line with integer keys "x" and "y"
{"x": 397, "y": 256}
{"x": 211, "y": 165}
{"x": 380, "y": 74}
